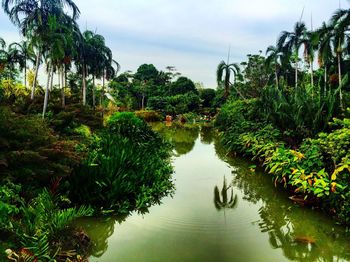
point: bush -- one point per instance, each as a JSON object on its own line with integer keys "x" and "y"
{"x": 128, "y": 167}
{"x": 299, "y": 110}
{"x": 319, "y": 169}
{"x": 149, "y": 115}
{"x": 240, "y": 115}
{"x": 27, "y": 145}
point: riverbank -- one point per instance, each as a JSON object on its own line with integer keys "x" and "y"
{"x": 71, "y": 166}
{"x": 314, "y": 170}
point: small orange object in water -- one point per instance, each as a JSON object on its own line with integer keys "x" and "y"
{"x": 169, "y": 118}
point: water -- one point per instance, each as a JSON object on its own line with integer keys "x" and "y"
{"x": 246, "y": 220}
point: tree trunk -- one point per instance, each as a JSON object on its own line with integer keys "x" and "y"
{"x": 93, "y": 92}
{"x": 37, "y": 64}
{"x": 46, "y": 99}
{"x": 340, "y": 79}
{"x": 103, "y": 86}
{"x": 325, "y": 80}
{"x": 276, "y": 76}
{"x": 51, "y": 82}
{"x": 296, "y": 74}
{"x": 143, "y": 102}
{"x": 103, "y": 93}
{"x": 63, "y": 97}
{"x": 65, "y": 76}
{"x": 59, "y": 77}
{"x": 227, "y": 85}
{"x": 312, "y": 74}
{"x": 25, "y": 74}
{"x": 84, "y": 85}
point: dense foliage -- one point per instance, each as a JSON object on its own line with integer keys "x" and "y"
{"x": 115, "y": 174}
{"x": 291, "y": 118}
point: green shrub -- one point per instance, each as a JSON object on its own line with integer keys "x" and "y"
{"x": 237, "y": 115}
{"x": 27, "y": 145}
{"x": 149, "y": 115}
{"x": 10, "y": 205}
{"x": 299, "y": 110}
{"x": 83, "y": 131}
{"x": 128, "y": 167}
{"x": 43, "y": 221}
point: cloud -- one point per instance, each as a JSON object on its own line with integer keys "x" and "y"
{"x": 192, "y": 35}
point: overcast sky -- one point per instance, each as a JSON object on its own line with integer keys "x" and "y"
{"x": 192, "y": 35}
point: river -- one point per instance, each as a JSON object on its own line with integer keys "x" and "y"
{"x": 222, "y": 210}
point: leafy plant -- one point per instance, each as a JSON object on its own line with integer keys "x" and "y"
{"x": 116, "y": 175}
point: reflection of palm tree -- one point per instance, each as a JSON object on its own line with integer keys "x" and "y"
{"x": 224, "y": 202}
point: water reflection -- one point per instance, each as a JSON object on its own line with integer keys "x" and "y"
{"x": 207, "y": 134}
{"x": 182, "y": 136}
{"x": 223, "y": 202}
{"x": 302, "y": 234}
{"x": 299, "y": 233}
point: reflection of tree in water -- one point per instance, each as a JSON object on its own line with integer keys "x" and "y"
{"x": 302, "y": 234}
{"x": 183, "y": 137}
{"x": 223, "y": 202}
{"x": 207, "y": 134}
{"x": 101, "y": 228}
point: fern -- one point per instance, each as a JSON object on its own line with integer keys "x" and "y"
{"x": 43, "y": 220}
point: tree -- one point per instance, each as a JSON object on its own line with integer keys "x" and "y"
{"x": 95, "y": 58}
{"x": 310, "y": 45}
{"x": 22, "y": 52}
{"x": 32, "y": 17}
{"x": 183, "y": 85}
{"x": 223, "y": 75}
{"x": 207, "y": 96}
{"x": 255, "y": 75}
{"x": 146, "y": 72}
{"x": 323, "y": 37}
{"x": 54, "y": 40}
{"x": 273, "y": 59}
{"x": 340, "y": 22}
{"x": 290, "y": 42}
{"x": 3, "y": 54}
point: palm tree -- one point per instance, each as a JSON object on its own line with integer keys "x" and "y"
{"x": 55, "y": 40}
{"x": 340, "y": 22}
{"x": 273, "y": 59}
{"x": 310, "y": 45}
{"x": 3, "y": 54}
{"x": 32, "y": 17}
{"x": 227, "y": 70}
{"x": 27, "y": 14}
{"x": 223, "y": 202}
{"x": 22, "y": 52}
{"x": 323, "y": 36}
{"x": 2, "y": 43}
{"x": 96, "y": 59}
{"x": 290, "y": 42}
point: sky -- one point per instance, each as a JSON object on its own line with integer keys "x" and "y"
{"x": 192, "y": 35}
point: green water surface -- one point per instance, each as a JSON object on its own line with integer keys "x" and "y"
{"x": 222, "y": 210}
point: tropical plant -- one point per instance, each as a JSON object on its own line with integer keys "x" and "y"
{"x": 115, "y": 172}
{"x": 323, "y": 36}
{"x": 340, "y": 22}
{"x": 223, "y": 75}
{"x": 289, "y": 44}
{"x": 21, "y": 53}
{"x": 273, "y": 60}
{"x": 32, "y": 17}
